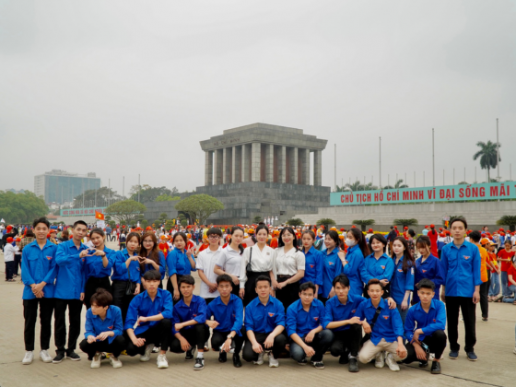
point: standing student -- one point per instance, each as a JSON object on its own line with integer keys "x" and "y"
{"x": 385, "y": 327}
{"x": 206, "y": 265}
{"x": 264, "y": 324}
{"x": 288, "y": 268}
{"x": 188, "y": 323}
{"x": 332, "y": 264}
{"x": 313, "y": 262}
{"x": 354, "y": 259}
{"x": 504, "y": 257}
{"x": 378, "y": 265}
{"x": 153, "y": 259}
{"x": 402, "y": 282}
{"x": 304, "y": 327}
{"x": 230, "y": 261}
{"x": 475, "y": 237}
{"x": 69, "y": 291}
{"x": 104, "y": 330}
{"x": 127, "y": 264}
{"x": 461, "y": 290}
{"x": 9, "y": 252}
{"x": 511, "y": 274}
{"x": 180, "y": 262}
{"x": 427, "y": 266}
{"x": 433, "y": 235}
{"x": 494, "y": 280}
{"x": 98, "y": 266}
{"x": 257, "y": 261}
{"x": 227, "y": 311}
{"x": 424, "y": 328}
{"x": 39, "y": 272}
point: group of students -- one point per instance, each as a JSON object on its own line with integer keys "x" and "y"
{"x": 303, "y": 300}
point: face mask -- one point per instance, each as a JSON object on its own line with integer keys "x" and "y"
{"x": 350, "y": 242}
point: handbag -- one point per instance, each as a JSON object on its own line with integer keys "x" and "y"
{"x": 367, "y": 336}
{"x": 248, "y": 267}
{"x": 131, "y": 286}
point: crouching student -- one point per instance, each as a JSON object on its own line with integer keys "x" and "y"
{"x": 148, "y": 321}
{"x": 264, "y": 324}
{"x": 385, "y": 327}
{"x": 104, "y": 330}
{"x": 305, "y": 329}
{"x": 424, "y": 328}
{"x": 228, "y": 313}
{"x": 188, "y": 323}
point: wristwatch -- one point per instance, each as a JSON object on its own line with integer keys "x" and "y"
{"x": 230, "y": 337}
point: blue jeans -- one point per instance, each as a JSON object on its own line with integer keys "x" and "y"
{"x": 505, "y": 286}
{"x": 403, "y": 313}
{"x": 512, "y": 297}
{"x": 320, "y": 344}
{"x": 494, "y": 286}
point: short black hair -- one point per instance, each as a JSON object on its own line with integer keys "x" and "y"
{"x": 41, "y": 220}
{"x": 214, "y": 231}
{"x": 152, "y": 275}
{"x": 425, "y": 283}
{"x": 80, "y": 222}
{"x": 341, "y": 279}
{"x": 306, "y": 285}
{"x": 459, "y": 219}
{"x": 475, "y": 236}
{"x": 411, "y": 233}
{"x": 101, "y": 298}
{"x": 224, "y": 278}
{"x": 263, "y": 278}
{"x": 186, "y": 279}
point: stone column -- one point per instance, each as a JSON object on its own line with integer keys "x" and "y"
{"x": 293, "y": 166}
{"x": 269, "y": 163}
{"x": 255, "y": 161}
{"x": 227, "y": 161}
{"x": 234, "y": 165}
{"x": 218, "y": 166}
{"x": 208, "y": 168}
{"x": 245, "y": 163}
{"x": 282, "y": 165}
{"x": 304, "y": 155}
{"x": 318, "y": 168}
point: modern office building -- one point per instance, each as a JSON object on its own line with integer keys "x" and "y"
{"x": 59, "y": 186}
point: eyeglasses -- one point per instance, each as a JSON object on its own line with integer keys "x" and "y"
{"x": 214, "y": 236}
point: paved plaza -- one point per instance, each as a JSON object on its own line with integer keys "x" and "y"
{"x": 496, "y": 365}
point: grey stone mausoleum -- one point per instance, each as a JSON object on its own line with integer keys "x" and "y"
{"x": 264, "y": 170}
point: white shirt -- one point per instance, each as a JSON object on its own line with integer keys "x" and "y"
{"x": 287, "y": 263}
{"x": 261, "y": 261}
{"x": 230, "y": 261}
{"x": 206, "y": 262}
{"x": 9, "y": 252}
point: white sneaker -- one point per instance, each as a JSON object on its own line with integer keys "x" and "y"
{"x": 393, "y": 366}
{"x": 379, "y": 361}
{"x": 259, "y": 361}
{"x": 29, "y": 356}
{"x": 115, "y": 362}
{"x": 162, "y": 361}
{"x": 146, "y": 355}
{"x": 95, "y": 362}
{"x": 273, "y": 362}
{"x": 45, "y": 357}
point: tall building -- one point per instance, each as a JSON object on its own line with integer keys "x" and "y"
{"x": 59, "y": 186}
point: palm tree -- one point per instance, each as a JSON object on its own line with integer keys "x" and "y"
{"x": 399, "y": 184}
{"x": 370, "y": 187}
{"x": 356, "y": 186}
{"x": 488, "y": 156}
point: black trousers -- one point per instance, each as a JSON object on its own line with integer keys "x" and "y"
{"x": 17, "y": 263}
{"x": 9, "y": 270}
{"x": 347, "y": 341}
{"x": 235, "y": 290}
{"x": 159, "y": 335}
{"x": 74, "y": 317}
{"x": 289, "y": 294}
{"x": 436, "y": 344}
{"x": 218, "y": 338}
{"x": 170, "y": 288}
{"x": 196, "y": 337}
{"x": 250, "y": 285}
{"x": 484, "y": 292}
{"x": 453, "y": 304}
{"x": 120, "y": 299}
{"x": 117, "y": 346}
{"x": 30, "y": 313}
{"x": 279, "y": 345}
{"x": 92, "y": 284}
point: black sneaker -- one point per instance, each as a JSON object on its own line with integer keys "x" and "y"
{"x": 471, "y": 356}
{"x": 303, "y": 362}
{"x": 73, "y": 356}
{"x": 319, "y": 365}
{"x": 189, "y": 355}
{"x": 223, "y": 357}
{"x": 353, "y": 364}
{"x": 343, "y": 359}
{"x": 423, "y": 364}
{"x": 436, "y": 367}
{"x": 60, "y": 355}
{"x": 236, "y": 360}
{"x": 199, "y": 364}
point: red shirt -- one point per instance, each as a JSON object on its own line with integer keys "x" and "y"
{"x": 511, "y": 271}
{"x": 504, "y": 255}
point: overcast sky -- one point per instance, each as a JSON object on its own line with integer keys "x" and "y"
{"x": 126, "y": 87}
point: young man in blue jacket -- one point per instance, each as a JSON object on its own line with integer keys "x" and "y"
{"x": 460, "y": 261}
{"x": 69, "y": 291}
{"x": 424, "y": 328}
{"x": 39, "y": 272}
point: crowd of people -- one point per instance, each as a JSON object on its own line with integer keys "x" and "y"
{"x": 297, "y": 292}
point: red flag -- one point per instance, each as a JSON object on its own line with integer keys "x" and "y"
{"x": 99, "y": 215}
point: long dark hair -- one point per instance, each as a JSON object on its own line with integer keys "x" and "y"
{"x": 132, "y": 235}
{"x": 291, "y": 231}
{"x": 380, "y": 238}
{"x": 335, "y": 236}
{"x": 236, "y": 228}
{"x": 361, "y": 241}
{"x": 182, "y": 235}
{"x": 407, "y": 254}
{"x": 153, "y": 254}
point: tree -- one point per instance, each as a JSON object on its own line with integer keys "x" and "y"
{"x": 150, "y": 194}
{"x": 488, "y": 156}
{"x": 406, "y": 222}
{"x": 364, "y": 223}
{"x": 295, "y": 222}
{"x": 507, "y": 220}
{"x": 398, "y": 185}
{"x": 21, "y": 207}
{"x": 463, "y": 183}
{"x": 199, "y": 207}
{"x": 257, "y": 219}
{"x": 326, "y": 222}
{"x": 125, "y": 211}
{"x": 102, "y": 195}
{"x": 167, "y": 198}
